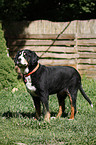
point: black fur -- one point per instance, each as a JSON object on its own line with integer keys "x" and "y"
{"x": 61, "y": 80}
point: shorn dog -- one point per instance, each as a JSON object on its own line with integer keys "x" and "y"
{"x": 42, "y": 81}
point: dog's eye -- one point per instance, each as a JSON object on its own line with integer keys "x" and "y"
{"x": 20, "y": 53}
{"x": 25, "y": 54}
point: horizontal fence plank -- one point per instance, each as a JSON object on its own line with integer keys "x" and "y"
{"x": 86, "y": 55}
{"x": 58, "y": 49}
{"x": 89, "y": 42}
{"x": 24, "y": 42}
{"x": 86, "y": 61}
{"x": 51, "y": 36}
{"x": 51, "y": 55}
{"x": 52, "y": 49}
{"x": 86, "y": 36}
{"x": 86, "y": 67}
{"x": 39, "y": 42}
{"x": 67, "y": 43}
{"x": 89, "y": 72}
{"x": 42, "y": 36}
{"x": 90, "y": 76}
{"x": 87, "y": 49}
{"x": 56, "y": 62}
{"x": 56, "y": 55}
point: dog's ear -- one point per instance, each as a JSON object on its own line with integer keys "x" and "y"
{"x": 34, "y": 58}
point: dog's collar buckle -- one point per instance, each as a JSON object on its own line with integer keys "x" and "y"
{"x": 34, "y": 70}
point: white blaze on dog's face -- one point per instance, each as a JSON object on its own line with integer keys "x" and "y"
{"x": 21, "y": 58}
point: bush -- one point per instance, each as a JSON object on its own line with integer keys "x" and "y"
{"x": 8, "y": 76}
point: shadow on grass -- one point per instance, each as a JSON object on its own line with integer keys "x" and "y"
{"x": 9, "y": 114}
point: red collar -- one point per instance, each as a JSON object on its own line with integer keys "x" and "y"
{"x": 32, "y": 71}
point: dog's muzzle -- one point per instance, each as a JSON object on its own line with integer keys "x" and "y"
{"x": 22, "y": 61}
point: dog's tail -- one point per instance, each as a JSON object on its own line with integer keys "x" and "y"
{"x": 85, "y": 96}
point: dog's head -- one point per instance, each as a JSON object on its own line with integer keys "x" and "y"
{"x": 26, "y": 58}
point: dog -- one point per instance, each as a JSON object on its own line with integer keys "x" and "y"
{"x": 42, "y": 81}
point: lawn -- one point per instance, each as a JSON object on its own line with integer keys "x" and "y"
{"x": 17, "y": 124}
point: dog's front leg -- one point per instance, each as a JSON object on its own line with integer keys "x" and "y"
{"x": 46, "y": 106}
{"x": 37, "y": 107}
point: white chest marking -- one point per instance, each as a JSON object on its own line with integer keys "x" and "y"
{"x": 31, "y": 89}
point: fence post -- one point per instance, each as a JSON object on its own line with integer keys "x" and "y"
{"x": 76, "y": 45}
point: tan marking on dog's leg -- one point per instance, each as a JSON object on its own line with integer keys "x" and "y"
{"x": 72, "y": 107}
{"x": 47, "y": 117}
{"x": 60, "y": 111}
{"x": 72, "y": 112}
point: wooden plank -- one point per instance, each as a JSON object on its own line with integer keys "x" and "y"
{"x": 87, "y": 55}
{"x": 86, "y": 67}
{"x": 56, "y": 55}
{"x": 90, "y": 42}
{"x": 39, "y": 43}
{"x": 44, "y": 48}
{"x": 56, "y": 62}
{"x": 86, "y": 61}
{"x": 42, "y": 36}
{"x": 67, "y": 36}
{"x": 67, "y": 43}
{"x": 84, "y": 36}
{"x": 51, "y": 55}
{"x": 52, "y": 49}
{"x": 88, "y": 72}
{"x": 90, "y": 75}
{"x": 87, "y": 49}
{"x": 24, "y": 42}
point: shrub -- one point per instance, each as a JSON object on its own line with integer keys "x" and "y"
{"x": 8, "y": 76}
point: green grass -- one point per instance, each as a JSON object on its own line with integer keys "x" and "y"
{"x": 18, "y": 126}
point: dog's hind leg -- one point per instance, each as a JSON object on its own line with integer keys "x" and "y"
{"x": 72, "y": 97}
{"x": 61, "y": 101}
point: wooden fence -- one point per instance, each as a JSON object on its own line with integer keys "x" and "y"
{"x": 77, "y": 50}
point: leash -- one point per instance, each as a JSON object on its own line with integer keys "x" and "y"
{"x": 55, "y": 39}
{"x": 47, "y": 50}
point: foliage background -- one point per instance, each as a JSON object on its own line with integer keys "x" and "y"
{"x": 8, "y": 76}
{"x": 54, "y": 10}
